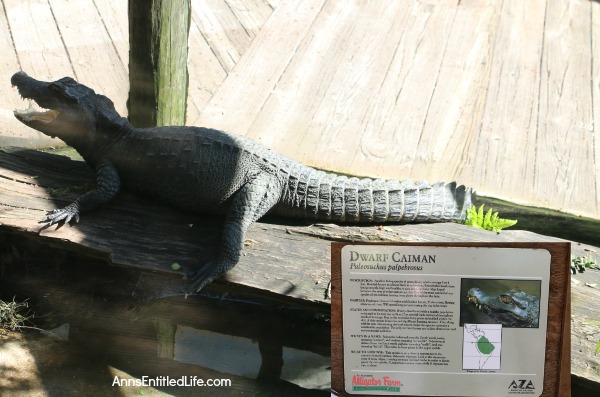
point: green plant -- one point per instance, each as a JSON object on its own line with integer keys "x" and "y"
{"x": 488, "y": 221}
{"x": 580, "y": 263}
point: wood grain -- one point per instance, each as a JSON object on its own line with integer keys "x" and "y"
{"x": 89, "y": 50}
{"x": 595, "y": 44}
{"x": 114, "y": 18}
{"x": 212, "y": 54}
{"x": 257, "y": 78}
{"x": 565, "y": 133}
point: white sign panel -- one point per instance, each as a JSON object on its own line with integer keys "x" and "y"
{"x": 444, "y": 321}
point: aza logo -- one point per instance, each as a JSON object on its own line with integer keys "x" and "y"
{"x": 521, "y": 384}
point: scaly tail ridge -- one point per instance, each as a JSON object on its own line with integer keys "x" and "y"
{"x": 317, "y": 195}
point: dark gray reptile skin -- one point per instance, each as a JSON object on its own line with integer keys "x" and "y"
{"x": 210, "y": 171}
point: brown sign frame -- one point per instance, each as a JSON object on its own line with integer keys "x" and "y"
{"x": 557, "y": 369}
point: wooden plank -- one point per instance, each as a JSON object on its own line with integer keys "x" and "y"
{"x": 222, "y": 30}
{"x": 273, "y": 3}
{"x": 37, "y": 41}
{"x": 94, "y": 59}
{"x": 252, "y": 14}
{"x": 564, "y": 145}
{"x": 256, "y": 77}
{"x": 325, "y": 95}
{"x": 396, "y": 116}
{"x": 210, "y": 47}
{"x": 9, "y": 62}
{"x": 586, "y": 332}
{"x": 456, "y": 109}
{"x": 206, "y": 74}
{"x": 12, "y": 132}
{"x": 37, "y": 49}
{"x": 292, "y": 103}
{"x": 320, "y": 97}
{"x": 113, "y": 14}
{"x": 595, "y": 81}
{"x": 507, "y": 136}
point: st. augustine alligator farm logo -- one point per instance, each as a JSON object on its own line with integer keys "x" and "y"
{"x": 371, "y": 383}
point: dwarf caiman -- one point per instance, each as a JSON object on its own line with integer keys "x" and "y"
{"x": 513, "y": 308}
{"x": 204, "y": 170}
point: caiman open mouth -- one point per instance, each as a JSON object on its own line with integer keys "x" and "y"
{"x": 482, "y": 306}
{"x": 31, "y": 114}
{"x": 473, "y": 299}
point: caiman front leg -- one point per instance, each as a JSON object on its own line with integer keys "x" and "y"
{"x": 249, "y": 204}
{"x": 107, "y": 187}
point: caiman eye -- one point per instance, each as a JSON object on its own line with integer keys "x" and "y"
{"x": 60, "y": 90}
{"x": 507, "y": 299}
{"x": 510, "y": 301}
{"x": 55, "y": 88}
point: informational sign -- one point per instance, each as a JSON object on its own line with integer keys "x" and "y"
{"x": 428, "y": 320}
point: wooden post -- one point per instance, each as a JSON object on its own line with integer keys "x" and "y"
{"x": 158, "y": 75}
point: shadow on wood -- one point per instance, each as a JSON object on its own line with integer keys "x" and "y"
{"x": 133, "y": 232}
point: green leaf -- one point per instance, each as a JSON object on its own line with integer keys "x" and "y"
{"x": 502, "y": 224}
{"x": 175, "y": 266}
{"x": 487, "y": 221}
{"x": 490, "y": 221}
{"x": 597, "y": 347}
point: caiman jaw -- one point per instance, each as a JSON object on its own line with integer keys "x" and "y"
{"x": 31, "y": 114}
{"x": 473, "y": 299}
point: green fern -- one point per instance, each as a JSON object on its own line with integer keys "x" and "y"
{"x": 488, "y": 221}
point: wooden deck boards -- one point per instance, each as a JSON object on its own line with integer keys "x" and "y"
{"x": 501, "y": 96}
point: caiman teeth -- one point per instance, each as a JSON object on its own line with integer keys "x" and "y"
{"x": 32, "y": 114}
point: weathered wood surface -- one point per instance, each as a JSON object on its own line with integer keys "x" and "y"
{"x": 282, "y": 263}
{"x": 498, "y": 95}
{"x": 158, "y": 72}
{"x": 140, "y": 234}
{"x": 483, "y": 92}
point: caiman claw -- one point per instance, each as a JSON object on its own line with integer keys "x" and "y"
{"x": 209, "y": 272}
{"x": 61, "y": 216}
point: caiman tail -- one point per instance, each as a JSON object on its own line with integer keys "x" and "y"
{"x": 329, "y": 197}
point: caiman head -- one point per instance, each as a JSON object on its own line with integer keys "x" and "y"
{"x": 71, "y": 111}
{"x": 513, "y": 308}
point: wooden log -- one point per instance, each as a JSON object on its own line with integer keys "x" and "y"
{"x": 158, "y": 34}
{"x": 281, "y": 263}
